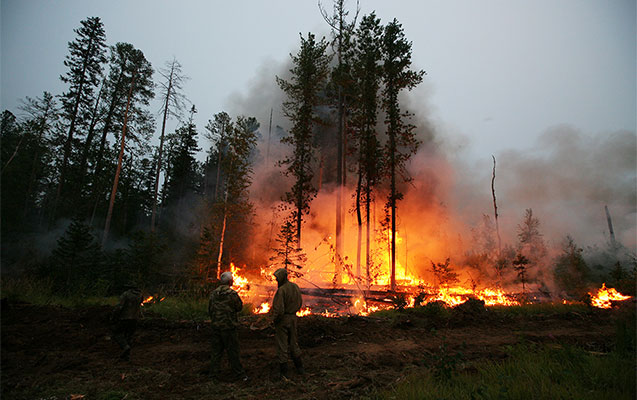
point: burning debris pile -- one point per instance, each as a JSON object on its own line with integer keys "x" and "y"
{"x": 351, "y": 300}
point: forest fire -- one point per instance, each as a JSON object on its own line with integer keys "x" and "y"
{"x": 604, "y": 297}
{"x": 412, "y": 292}
{"x": 151, "y": 299}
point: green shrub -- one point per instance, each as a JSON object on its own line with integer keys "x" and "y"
{"x": 529, "y": 373}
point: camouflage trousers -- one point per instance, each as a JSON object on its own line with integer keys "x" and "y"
{"x": 228, "y": 340}
{"x": 286, "y": 338}
{"x": 123, "y": 332}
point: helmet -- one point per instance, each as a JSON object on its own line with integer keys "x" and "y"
{"x": 281, "y": 275}
{"x": 226, "y": 278}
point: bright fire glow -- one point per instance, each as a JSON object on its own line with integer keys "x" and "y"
{"x": 239, "y": 283}
{"x": 303, "y": 312}
{"x": 150, "y": 300}
{"x": 264, "y": 308}
{"x": 604, "y": 296}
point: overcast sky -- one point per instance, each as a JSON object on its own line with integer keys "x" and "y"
{"x": 499, "y": 73}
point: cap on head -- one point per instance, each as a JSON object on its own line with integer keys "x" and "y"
{"x": 226, "y": 278}
{"x": 281, "y": 275}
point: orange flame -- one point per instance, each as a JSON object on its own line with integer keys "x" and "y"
{"x": 147, "y": 300}
{"x": 264, "y": 308}
{"x": 605, "y": 295}
{"x": 303, "y": 312}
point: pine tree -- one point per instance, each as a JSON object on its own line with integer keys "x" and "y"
{"x": 402, "y": 142}
{"x": 140, "y": 92}
{"x": 28, "y": 168}
{"x": 85, "y": 60}
{"x": 217, "y": 132}
{"x": 342, "y": 32}
{"x": 520, "y": 266}
{"x": 237, "y": 169}
{"x": 126, "y": 62}
{"x": 444, "y": 273}
{"x": 309, "y": 74}
{"x": 183, "y": 177}
{"x": 571, "y": 271}
{"x": 287, "y": 253}
{"x": 367, "y": 74}
{"x": 76, "y": 261}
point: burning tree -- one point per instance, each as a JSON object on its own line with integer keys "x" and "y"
{"x": 287, "y": 253}
{"x": 402, "y": 142}
{"x": 367, "y": 74}
{"x": 444, "y": 274}
{"x": 520, "y": 266}
{"x": 309, "y": 74}
{"x": 235, "y": 148}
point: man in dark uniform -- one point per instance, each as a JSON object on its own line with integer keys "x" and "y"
{"x": 287, "y": 301}
{"x": 125, "y": 316}
{"x": 223, "y": 307}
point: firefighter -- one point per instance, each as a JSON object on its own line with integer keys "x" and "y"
{"x": 223, "y": 307}
{"x": 287, "y": 301}
{"x": 125, "y": 316}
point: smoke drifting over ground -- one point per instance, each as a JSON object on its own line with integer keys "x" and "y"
{"x": 566, "y": 179}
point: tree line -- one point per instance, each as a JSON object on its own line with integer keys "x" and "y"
{"x": 81, "y": 165}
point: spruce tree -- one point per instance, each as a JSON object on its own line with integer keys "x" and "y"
{"x": 341, "y": 80}
{"x": 84, "y": 61}
{"x": 76, "y": 261}
{"x": 402, "y": 142}
{"x": 367, "y": 73}
{"x": 309, "y": 74}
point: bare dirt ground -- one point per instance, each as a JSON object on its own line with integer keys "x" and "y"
{"x": 57, "y": 353}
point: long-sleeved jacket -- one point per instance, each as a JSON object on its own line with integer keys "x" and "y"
{"x": 287, "y": 300}
{"x": 129, "y": 304}
{"x": 223, "y": 307}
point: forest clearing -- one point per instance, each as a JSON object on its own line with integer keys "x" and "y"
{"x": 52, "y": 352}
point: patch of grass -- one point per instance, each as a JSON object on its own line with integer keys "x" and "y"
{"x": 181, "y": 308}
{"x": 540, "y": 309}
{"x": 41, "y": 292}
{"x": 529, "y": 373}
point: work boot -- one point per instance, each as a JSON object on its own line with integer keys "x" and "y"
{"x": 298, "y": 364}
{"x": 283, "y": 370}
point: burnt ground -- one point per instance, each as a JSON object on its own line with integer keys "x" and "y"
{"x": 51, "y": 352}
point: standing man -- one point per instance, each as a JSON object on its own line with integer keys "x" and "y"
{"x": 287, "y": 301}
{"x": 223, "y": 307}
{"x": 125, "y": 316}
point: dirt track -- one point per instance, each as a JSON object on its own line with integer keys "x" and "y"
{"x": 55, "y": 353}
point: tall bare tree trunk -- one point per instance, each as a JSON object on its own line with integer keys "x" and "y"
{"x": 107, "y": 225}
{"x": 495, "y": 209}
{"x": 223, "y": 233}
{"x": 161, "y": 149}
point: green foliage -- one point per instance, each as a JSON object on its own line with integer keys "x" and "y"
{"x": 181, "y": 308}
{"x": 182, "y": 166}
{"x": 571, "y": 272}
{"x": 444, "y": 274}
{"x": 399, "y": 301}
{"x": 309, "y": 75}
{"x": 76, "y": 262}
{"x": 529, "y": 372}
{"x": 444, "y": 364}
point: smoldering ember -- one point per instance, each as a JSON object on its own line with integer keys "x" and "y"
{"x": 425, "y": 272}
